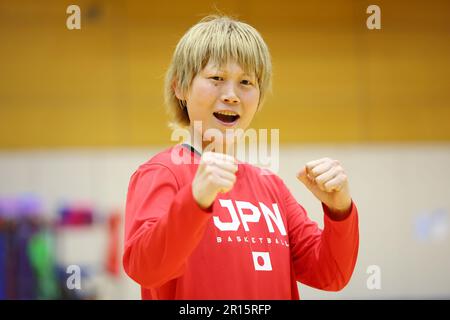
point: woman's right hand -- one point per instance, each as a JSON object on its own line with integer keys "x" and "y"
{"x": 216, "y": 173}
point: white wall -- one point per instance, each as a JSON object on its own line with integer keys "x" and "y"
{"x": 392, "y": 185}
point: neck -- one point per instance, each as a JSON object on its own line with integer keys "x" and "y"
{"x": 202, "y": 145}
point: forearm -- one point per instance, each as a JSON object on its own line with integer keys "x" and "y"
{"x": 160, "y": 252}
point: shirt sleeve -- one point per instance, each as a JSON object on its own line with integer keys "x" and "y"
{"x": 322, "y": 259}
{"x": 163, "y": 226}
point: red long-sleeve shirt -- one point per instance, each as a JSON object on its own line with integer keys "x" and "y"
{"x": 254, "y": 242}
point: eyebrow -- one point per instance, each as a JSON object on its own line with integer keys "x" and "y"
{"x": 223, "y": 71}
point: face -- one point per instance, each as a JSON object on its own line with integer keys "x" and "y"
{"x": 223, "y": 97}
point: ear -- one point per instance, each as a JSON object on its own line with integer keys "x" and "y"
{"x": 178, "y": 92}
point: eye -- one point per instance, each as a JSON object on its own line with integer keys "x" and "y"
{"x": 246, "y": 82}
{"x": 216, "y": 78}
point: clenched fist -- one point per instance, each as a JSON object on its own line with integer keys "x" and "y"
{"x": 216, "y": 173}
{"x": 327, "y": 180}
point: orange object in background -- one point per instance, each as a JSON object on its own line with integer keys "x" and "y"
{"x": 113, "y": 255}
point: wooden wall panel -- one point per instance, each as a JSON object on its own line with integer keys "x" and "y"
{"x": 334, "y": 80}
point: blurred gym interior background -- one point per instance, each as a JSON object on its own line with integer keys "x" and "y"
{"x": 80, "y": 110}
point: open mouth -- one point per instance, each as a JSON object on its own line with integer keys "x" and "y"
{"x": 226, "y": 116}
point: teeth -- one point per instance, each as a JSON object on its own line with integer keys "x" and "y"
{"x": 227, "y": 113}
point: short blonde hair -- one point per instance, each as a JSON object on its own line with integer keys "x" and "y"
{"x": 219, "y": 39}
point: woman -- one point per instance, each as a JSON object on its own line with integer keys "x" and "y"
{"x": 217, "y": 228}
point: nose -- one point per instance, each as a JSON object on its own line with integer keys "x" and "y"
{"x": 229, "y": 95}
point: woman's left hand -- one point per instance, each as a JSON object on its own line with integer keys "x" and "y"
{"x": 327, "y": 180}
